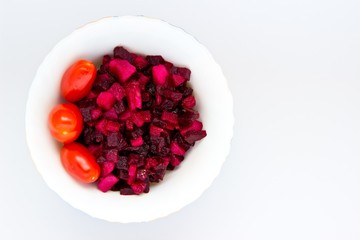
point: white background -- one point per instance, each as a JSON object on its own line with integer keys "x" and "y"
{"x": 294, "y": 168}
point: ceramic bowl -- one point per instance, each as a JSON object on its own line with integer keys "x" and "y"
{"x": 147, "y": 36}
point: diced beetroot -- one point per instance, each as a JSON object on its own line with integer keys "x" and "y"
{"x": 92, "y": 95}
{"x": 129, "y": 125}
{"x": 189, "y": 102}
{"x": 122, "y": 53}
{"x": 134, "y": 159}
{"x": 86, "y": 113}
{"x": 139, "y": 118}
{"x": 158, "y": 99}
{"x": 107, "y": 167}
{"x": 182, "y": 71}
{"x": 187, "y": 117}
{"x": 114, "y": 139}
{"x": 175, "y": 161}
{"x": 100, "y": 160}
{"x": 138, "y": 187}
{"x": 142, "y": 174}
{"x": 175, "y": 96}
{"x": 146, "y": 98}
{"x": 122, "y": 69}
{"x": 106, "y": 183}
{"x": 105, "y": 100}
{"x": 160, "y": 74}
{"x": 125, "y": 116}
{"x": 154, "y": 60}
{"x": 119, "y": 107}
{"x": 103, "y": 81}
{"x": 165, "y": 161}
{"x": 96, "y": 113}
{"x": 111, "y": 155}
{"x": 171, "y": 126}
{"x": 155, "y": 131}
{"x": 151, "y": 163}
{"x": 132, "y": 174}
{"x": 111, "y": 114}
{"x": 193, "y": 136}
{"x": 112, "y": 126}
{"x": 145, "y": 115}
{"x": 122, "y": 163}
{"x": 176, "y": 149}
{"x": 170, "y": 117}
{"x": 117, "y": 91}
{"x": 195, "y": 126}
{"x": 140, "y": 62}
{"x": 177, "y": 80}
{"x": 101, "y": 126}
{"x": 127, "y": 191}
{"x": 133, "y": 94}
{"x": 168, "y": 65}
{"x": 95, "y": 149}
{"x": 143, "y": 80}
{"x": 137, "y": 142}
{"x": 106, "y": 59}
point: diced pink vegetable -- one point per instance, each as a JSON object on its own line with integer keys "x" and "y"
{"x": 101, "y": 126}
{"x": 193, "y": 136}
{"x": 158, "y": 99}
{"x": 125, "y": 116}
{"x": 155, "y": 131}
{"x": 111, "y": 114}
{"x": 160, "y": 74}
{"x": 195, "y": 126}
{"x": 129, "y": 125}
{"x": 107, "y": 167}
{"x": 112, "y": 126}
{"x": 117, "y": 91}
{"x": 189, "y": 102}
{"x": 112, "y": 155}
{"x": 122, "y": 69}
{"x": 137, "y": 142}
{"x": 105, "y": 100}
{"x": 122, "y": 53}
{"x": 106, "y": 183}
{"x": 143, "y": 80}
{"x": 177, "y": 79}
{"x": 96, "y": 113}
{"x": 176, "y": 149}
{"x": 140, "y": 62}
{"x": 169, "y": 117}
{"x": 133, "y": 95}
{"x": 175, "y": 161}
{"x": 138, "y": 187}
{"x": 151, "y": 163}
{"x": 132, "y": 174}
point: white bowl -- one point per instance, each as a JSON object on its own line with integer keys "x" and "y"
{"x": 147, "y": 36}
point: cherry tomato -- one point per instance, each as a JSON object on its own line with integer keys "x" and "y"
{"x": 77, "y": 81}
{"x": 79, "y": 162}
{"x": 65, "y": 122}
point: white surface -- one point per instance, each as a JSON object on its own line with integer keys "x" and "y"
{"x": 179, "y": 187}
{"x": 293, "y": 171}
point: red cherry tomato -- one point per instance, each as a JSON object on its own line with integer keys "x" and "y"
{"x": 79, "y": 162}
{"x": 77, "y": 81}
{"x": 65, "y": 122}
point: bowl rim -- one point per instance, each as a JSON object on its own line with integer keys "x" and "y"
{"x": 99, "y": 21}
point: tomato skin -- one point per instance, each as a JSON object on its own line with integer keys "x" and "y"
{"x": 79, "y": 162}
{"x": 77, "y": 81}
{"x": 65, "y": 122}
